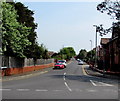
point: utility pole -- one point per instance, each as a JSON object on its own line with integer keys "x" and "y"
{"x": 96, "y": 45}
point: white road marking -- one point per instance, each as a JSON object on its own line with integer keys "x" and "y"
{"x": 5, "y": 89}
{"x": 93, "y": 83}
{"x": 91, "y": 90}
{"x": 57, "y": 90}
{"x": 68, "y": 86}
{"x": 64, "y": 76}
{"x": 105, "y": 84}
{"x": 64, "y": 73}
{"x": 23, "y": 89}
{"x": 96, "y": 83}
{"x": 41, "y": 90}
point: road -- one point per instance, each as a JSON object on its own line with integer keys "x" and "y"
{"x": 69, "y": 83}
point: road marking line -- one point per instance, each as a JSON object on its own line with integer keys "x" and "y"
{"x": 41, "y": 90}
{"x": 23, "y": 89}
{"x": 100, "y": 83}
{"x": 91, "y": 90}
{"x": 105, "y": 84}
{"x": 64, "y": 76}
{"x": 68, "y": 86}
{"x": 93, "y": 83}
{"x": 64, "y": 73}
{"x": 57, "y": 90}
{"x": 5, "y": 89}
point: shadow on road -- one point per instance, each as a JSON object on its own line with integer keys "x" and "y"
{"x": 84, "y": 78}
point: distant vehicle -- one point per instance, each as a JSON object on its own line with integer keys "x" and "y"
{"x": 63, "y": 62}
{"x": 78, "y": 59}
{"x": 3, "y": 68}
{"x": 59, "y": 65}
{"x": 80, "y": 62}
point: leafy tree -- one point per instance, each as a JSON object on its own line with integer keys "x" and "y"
{"x": 14, "y": 34}
{"x": 82, "y": 54}
{"x": 113, "y": 9}
{"x": 26, "y": 17}
{"x": 91, "y": 56}
{"x": 67, "y": 52}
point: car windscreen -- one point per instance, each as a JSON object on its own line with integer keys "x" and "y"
{"x": 58, "y": 64}
{"x": 61, "y": 61}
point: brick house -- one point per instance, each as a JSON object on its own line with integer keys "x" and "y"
{"x": 109, "y": 58}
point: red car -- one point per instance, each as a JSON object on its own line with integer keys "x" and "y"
{"x": 59, "y": 65}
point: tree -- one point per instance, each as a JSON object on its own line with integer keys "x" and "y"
{"x": 25, "y": 16}
{"x": 67, "y": 52}
{"x": 91, "y": 56}
{"x": 14, "y": 34}
{"x": 82, "y": 54}
{"x": 113, "y": 9}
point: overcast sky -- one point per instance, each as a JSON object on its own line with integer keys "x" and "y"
{"x": 63, "y": 24}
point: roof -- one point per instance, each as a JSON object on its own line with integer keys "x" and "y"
{"x": 51, "y": 53}
{"x": 104, "y": 41}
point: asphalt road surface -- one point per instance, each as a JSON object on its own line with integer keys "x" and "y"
{"x": 69, "y": 83}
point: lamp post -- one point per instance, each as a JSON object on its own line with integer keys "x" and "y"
{"x": 91, "y": 50}
{"x": 96, "y": 45}
{"x": 91, "y": 44}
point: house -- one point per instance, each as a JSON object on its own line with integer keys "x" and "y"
{"x": 109, "y": 58}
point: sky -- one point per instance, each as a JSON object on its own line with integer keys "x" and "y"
{"x": 68, "y": 24}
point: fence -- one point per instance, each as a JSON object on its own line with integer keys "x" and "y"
{"x": 12, "y": 62}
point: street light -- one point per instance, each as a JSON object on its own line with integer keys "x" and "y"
{"x": 96, "y": 45}
{"x": 91, "y": 49}
{"x": 91, "y": 44}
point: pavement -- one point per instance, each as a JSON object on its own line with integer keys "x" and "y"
{"x": 95, "y": 72}
{"x": 25, "y": 75}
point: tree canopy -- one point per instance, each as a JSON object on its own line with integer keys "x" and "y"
{"x": 65, "y": 53}
{"x": 14, "y": 34}
{"x": 113, "y": 9}
{"x": 82, "y": 54}
{"x": 18, "y": 32}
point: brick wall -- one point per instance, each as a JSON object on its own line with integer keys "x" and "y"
{"x": 14, "y": 71}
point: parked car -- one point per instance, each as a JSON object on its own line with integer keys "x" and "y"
{"x": 80, "y": 62}
{"x": 63, "y": 62}
{"x": 3, "y": 68}
{"x": 59, "y": 65}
